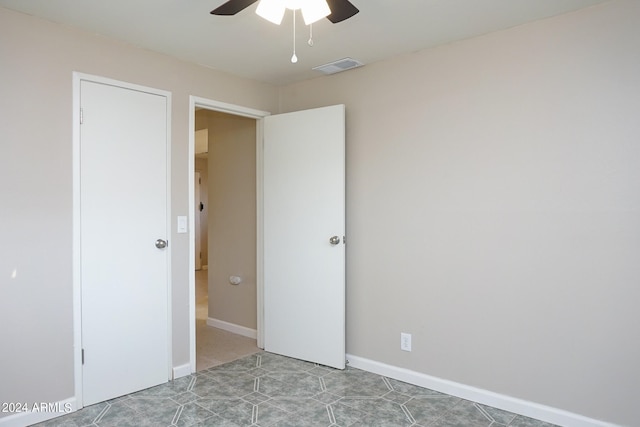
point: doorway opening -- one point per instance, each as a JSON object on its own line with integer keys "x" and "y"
{"x": 306, "y": 280}
{"x": 224, "y": 301}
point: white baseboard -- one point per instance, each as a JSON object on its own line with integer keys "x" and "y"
{"x": 181, "y": 371}
{"x": 485, "y": 397}
{"x": 49, "y": 411}
{"x": 232, "y": 327}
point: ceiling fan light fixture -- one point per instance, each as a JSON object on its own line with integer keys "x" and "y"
{"x": 271, "y": 10}
{"x": 312, "y": 10}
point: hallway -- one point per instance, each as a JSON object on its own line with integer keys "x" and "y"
{"x": 215, "y": 346}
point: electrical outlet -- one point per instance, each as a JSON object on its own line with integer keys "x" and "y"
{"x": 405, "y": 341}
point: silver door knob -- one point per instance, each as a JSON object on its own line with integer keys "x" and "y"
{"x": 161, "y": 244}
{"x": 334, "y": 240}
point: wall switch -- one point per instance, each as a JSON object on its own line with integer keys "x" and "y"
{"x": 182, "y": 224}
{"x": 405, "y": 341}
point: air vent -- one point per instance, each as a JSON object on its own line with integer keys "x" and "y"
{"x": 339, "y": 65}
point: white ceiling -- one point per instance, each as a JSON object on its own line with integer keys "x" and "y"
{"x": 249, "y": 46}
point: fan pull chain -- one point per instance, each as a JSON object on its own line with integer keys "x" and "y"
{"x": 310, "y": 42}
{"x": 294, "y": 58}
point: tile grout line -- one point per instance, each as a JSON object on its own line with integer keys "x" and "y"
{"x": 483, "y": 412}
{"x": 408, "y": 414}
{"x": 387, "y": 383}
{"x": 102, "y": 413}
{"x": 176, "y": 416}
{"x": 254, "y": 414}
{"x": 192, "y": 383}
{"x": 332, "y": 417}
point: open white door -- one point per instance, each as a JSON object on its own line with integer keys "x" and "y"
{"x": 304, "y": 228}
{"x": 123, "y": 233}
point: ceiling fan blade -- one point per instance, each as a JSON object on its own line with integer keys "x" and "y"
{"x": 341, "y": 10}
{"x": 232, "y": 7}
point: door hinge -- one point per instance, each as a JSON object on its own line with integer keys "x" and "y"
{"x": 200, "y": 255}
{"x": 199, "y": 180}
{"x": 81, "y": 116}
{"x": 82, "y": 351}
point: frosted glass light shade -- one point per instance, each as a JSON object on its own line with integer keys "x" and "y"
{"x": 312, "y": 10}
{"x": 271, "y": 10}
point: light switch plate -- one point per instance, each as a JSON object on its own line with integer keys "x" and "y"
{"x": 405, "y": 341}
{"x": 182, "y": 224}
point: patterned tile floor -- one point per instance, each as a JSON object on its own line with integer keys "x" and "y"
{"x": 265, "y": 389}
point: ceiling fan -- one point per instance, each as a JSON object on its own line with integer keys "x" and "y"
{"x": 339, "y": 9}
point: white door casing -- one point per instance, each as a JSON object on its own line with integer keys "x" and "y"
{"x": 122, "y": 210}
{"x": 304, "y": 207}
{"x": 198, "y": 102}
{"x": 337, "y": 357}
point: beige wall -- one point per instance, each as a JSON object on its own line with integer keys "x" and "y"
{"x": 232, "y": 219}
{"x": 202, "y": 167}
{"x": 37, "y": 59}
{"x": 493, "y": 204}
{"x": 492, "y": 198}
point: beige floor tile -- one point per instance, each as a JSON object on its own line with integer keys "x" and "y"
{"x": 215, "y": 346}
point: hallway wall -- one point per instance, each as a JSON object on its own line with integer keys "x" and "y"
{"x": 232, "y": 216}
{"x": 202, "y": 166}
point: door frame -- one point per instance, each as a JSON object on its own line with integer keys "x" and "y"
{"x": 258, "y": 115}
{"x": 76, "y": 247}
